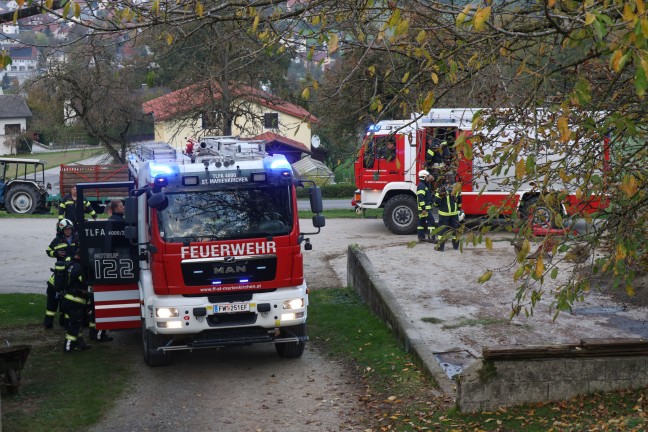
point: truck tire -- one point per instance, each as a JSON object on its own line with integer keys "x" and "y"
{"x": 291, "y": 349}
{"x": 151, "y": 341}
{"x": 537, "y": 213}
{"x": 401, "y": 214}
{"x": 22, "y": 199}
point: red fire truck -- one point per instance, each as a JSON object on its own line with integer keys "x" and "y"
{"x": 390, "y": 182}
{"x": 209, "y": 254}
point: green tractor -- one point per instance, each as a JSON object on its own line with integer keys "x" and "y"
{"x": 22, "y": 185}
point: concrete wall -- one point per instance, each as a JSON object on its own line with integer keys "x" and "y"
{"x": 362, "y": 276}
{"x": 487, "y": 385}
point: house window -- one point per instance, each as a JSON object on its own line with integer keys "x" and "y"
{"x": 271, "y": 120}
{"x": 210, "y": 120}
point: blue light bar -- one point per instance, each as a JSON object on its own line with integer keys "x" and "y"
{"x": 244, "y": 280}
{"x": 216, "y": 282}
{"x": 373, "y": 128}
{"x": 278, "y": 164}
{"x": 157, "y": 169}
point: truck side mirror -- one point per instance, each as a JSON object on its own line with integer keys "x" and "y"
{"x": 130, "y": 214}
{"x": 319, "y": 221}
{"x": 315, "y": 195}
{"x": 158, "y": 201}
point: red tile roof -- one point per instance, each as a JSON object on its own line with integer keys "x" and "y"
{"x": 273, "y": 137}
{"x": 189, "y": 98}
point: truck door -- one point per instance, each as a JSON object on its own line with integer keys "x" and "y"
{"x": 382, "y": 161}
{"x": 112, "y": 268}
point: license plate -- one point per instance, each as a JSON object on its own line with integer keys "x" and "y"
{"x": 231, "y": 308}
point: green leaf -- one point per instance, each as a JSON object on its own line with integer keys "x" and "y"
{"x": 640, "y": 81}
{"x": 583, "y": 91}
{"x": 554, "y": 273}
{"x": 530, "y": 163}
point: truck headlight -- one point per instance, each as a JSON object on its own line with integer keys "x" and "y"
{"x": 297, "y": 303}
{"x": 166, "y": 312}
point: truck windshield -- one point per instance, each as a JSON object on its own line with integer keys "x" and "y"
{"x": 227, "y": 214}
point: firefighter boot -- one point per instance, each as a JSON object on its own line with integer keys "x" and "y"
{"x": 455, "y": 244}
{"x": 71, "y": 346}
{"x": 48, "y": 322}
{"x": 99, "y": 335}
{"x": 440, "y": 247}
{"x": 433, "y": 240}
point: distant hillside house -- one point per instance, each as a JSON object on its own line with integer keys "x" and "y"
{"x": 14, "y": 113}
{"x": 284, "y": 126}
{"x": 24, "y": 61}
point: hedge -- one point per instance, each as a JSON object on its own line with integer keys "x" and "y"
{"x": 341, "y": 190}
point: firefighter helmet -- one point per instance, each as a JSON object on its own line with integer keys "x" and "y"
{"x": 461, "y": 216}
{"x": 64, "y": 223}
{"x": 422, "y": 174}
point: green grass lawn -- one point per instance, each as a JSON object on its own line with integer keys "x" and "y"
{"x": 56, "y": 158}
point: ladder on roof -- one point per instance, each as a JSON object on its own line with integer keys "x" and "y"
{"x": 231, "y": 148}
{"x": 155, "y": 151}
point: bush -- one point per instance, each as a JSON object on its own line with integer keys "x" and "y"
{"x": 341, "y": 190}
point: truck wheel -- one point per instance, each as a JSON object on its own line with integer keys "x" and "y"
{"x": 400, "y": 215}
{"x": 537, "y": 213}
{"x": 291, "y": 349}
{"x": 21, "y": 199}
{"x": 152, "y": 356}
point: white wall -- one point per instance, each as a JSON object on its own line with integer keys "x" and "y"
{"x": 4, "y": 147}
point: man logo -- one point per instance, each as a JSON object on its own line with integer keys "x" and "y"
{"x": 229, "y": 259}
{"x": 230, "y": 270}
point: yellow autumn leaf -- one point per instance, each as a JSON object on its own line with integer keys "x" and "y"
{"x": 641, "y": 8}
{"x": 628, "y": 14}
{"x": 405, "y": 77}
{"x": 20, "y": 2}
{"x": 200, "y": 10}
{"x": 315, "y": 84}
{"x": 520, "y": 169}
{"x": 333, "y": 43}
{"x": 539, "y": 269}
{"x": 489, "y": 243}
{"x": 615, "y": 60}
{"x": 426, "y": 105}
{"x": 49, "y": 4}
{"x": 156, "y": 6}
{"x": 589, "y": 18}
{"x": 629, "y": 186}
{"x": 420, "y": 37}
{"x": 644, "y": 26}
{"x": 524, "y": 251}
{"x": 435, "y": 78}
{"x": 630, "y": 290}
{"x": 255, "y": 23}
{"x": 485, "y": 277}
{"x": 620, "y": 251}
{"x": 481, "y": 16}
{"x": 169, "y": 39}
{"x": 551, "y": 3}
{"x": 372, "y": 70}
{"x": 66, "y": 9}
{"x": 77, "y": 10}
{"x": 306, "y": 93}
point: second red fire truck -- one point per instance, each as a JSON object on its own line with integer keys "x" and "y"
{"x": 389, "y": 183}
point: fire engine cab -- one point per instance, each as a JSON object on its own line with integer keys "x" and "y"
{"x": 390, "y": 183}
{"x": 209, "y": 254}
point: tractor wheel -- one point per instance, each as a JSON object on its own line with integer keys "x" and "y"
{"x": 21, "y": 199}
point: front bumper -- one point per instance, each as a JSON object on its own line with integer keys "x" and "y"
{"x": 259, "y": 313}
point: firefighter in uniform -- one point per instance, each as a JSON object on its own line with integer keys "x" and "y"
{"x": 75, "y": 301}
{"x": 63, "y": 247}
{"x": 67, "y": 210}
{"x": 434, "y": 154}
{"x": 449, "y": 205}
{"x": 426, "y": 221}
